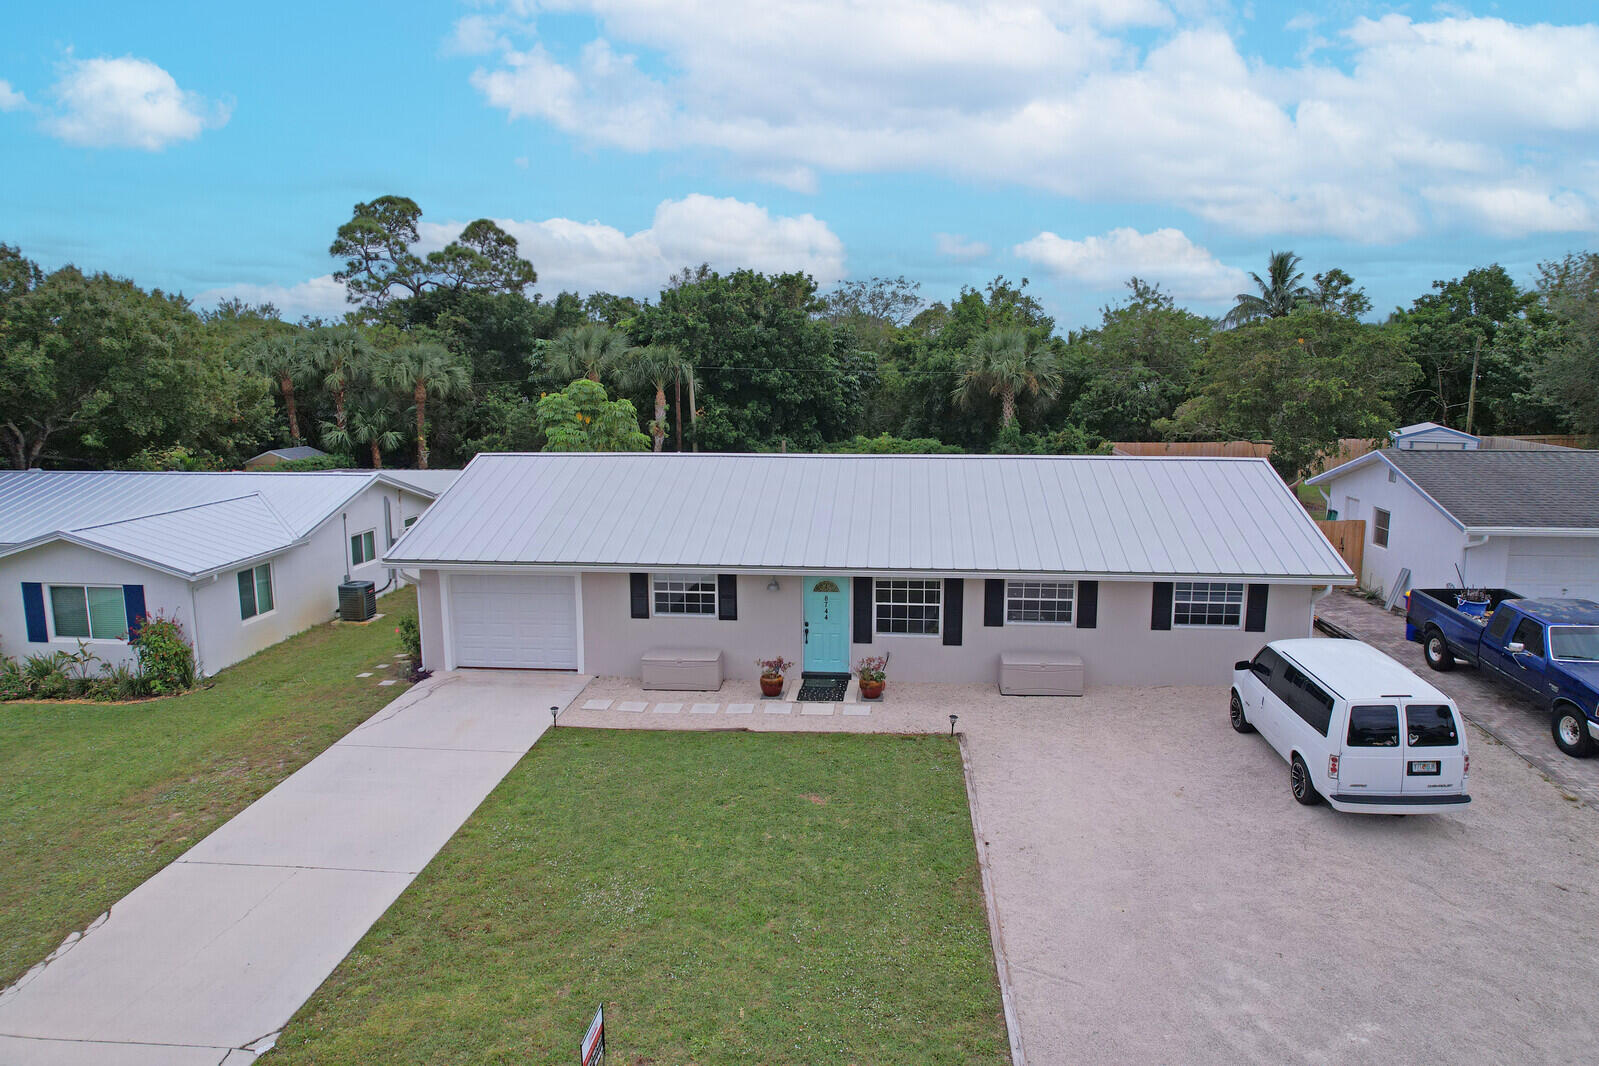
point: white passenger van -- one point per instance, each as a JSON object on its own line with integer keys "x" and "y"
{"x": 1354, "y": 726}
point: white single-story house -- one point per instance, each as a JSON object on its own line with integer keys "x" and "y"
{"x": 1157, "y": 571}
{"x": 242, "y": 560}
{"x": 274, "y": 457}
{"x": 1431, "y": 437}
{"x": 1527, "y": 521}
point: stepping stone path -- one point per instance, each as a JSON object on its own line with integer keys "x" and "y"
{"x": 859, "y": 710}
{"x": 778, "y": 708}
{"x": 389, "y": 681}
{"x": 704, "y": 708}
{"x": 741, "y": 708}
{"x": 816, "y": 708}
{"x": 597, "y": 705}
{"x": 364, "y": 673}
{"x": 668, "y": 708}
{"x": 632, "y": 706}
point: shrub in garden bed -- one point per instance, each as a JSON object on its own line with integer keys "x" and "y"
{"x": 165, "y": 667}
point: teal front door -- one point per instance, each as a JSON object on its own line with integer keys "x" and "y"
{"x": 826, "y": 625}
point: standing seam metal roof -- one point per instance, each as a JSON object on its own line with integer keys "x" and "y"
{"x": 1089, "y": 515}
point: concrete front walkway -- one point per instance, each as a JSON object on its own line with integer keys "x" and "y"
{"x": 214, "y": 953}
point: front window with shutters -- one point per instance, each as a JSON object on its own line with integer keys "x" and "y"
{"x": 88, "y": 612}
{"x": 693, "y": 595}
{"x": 255, "y": 591}
{"x": 1040, "y": 601}
{"x": 910, "y": 607}
{"x": 1207, "y": 603}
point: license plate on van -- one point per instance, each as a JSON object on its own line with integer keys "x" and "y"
{"x": 1422, "y": 767}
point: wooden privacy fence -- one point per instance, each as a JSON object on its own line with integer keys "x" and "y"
{"x": 1348, "y": 535}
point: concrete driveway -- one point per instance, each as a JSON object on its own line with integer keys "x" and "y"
{"x": 213, "y": 954}
{"x": 1163, "y": 899}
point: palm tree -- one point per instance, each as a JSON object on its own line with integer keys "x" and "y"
{"x": 279, "y": 358}
{"x": 1280, "y": 291}
{"x": 1004, "y": 362}
{"x": 652, "y": 366}
{"x": 425, "y": 369}
{"x": 340, "y": 357}
{"x": 586, "y": 351}
{"x": 371, "y": 422}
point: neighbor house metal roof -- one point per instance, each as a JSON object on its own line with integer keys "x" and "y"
{"x": 288, "y": 455}
{"x": 1494, "y": 490}
{"x": 188, "y": 523}
{"x": 977, "y": 514}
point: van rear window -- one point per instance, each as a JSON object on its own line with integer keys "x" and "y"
{"x": 1374, "y": 727}
{"x": 1430, "y": 726}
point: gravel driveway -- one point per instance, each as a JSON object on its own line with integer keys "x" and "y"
{"x": 1163, "y": 899}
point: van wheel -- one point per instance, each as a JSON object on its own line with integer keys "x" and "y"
{"x": 1235, "y": 711}
{"x": 1299, "y": 781}
{"x": 1570, "y": 727}
{"x": 1436, "y": 650}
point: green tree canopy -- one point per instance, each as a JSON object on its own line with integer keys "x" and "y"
{"x": 1280, "y": 291}
{"x": 581, "y": 418}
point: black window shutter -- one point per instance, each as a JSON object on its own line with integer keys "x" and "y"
{"x": 994, "y": 602}
{"x": 33, "y": 610}
{"x": 1160, "y": 611}
{"x": 639, "y": 586}
{"x": 133, "y": 603}
{"x": 863, "y": 610}
{"x": 1087, "y": 604}
{"x": 1255, "y": 609}
{"x": 727, "y": 597}
{"x": 954, "y": 599}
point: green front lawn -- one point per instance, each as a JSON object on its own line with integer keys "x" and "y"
{"x": 731, "y": 897}
{"x": 94, "y": 798}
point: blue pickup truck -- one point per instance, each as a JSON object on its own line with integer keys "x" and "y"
{"x": 1547, "y": 650}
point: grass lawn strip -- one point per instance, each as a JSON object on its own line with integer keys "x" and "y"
{"x": 96, "y": 798}
{"x": 755, "y": 897}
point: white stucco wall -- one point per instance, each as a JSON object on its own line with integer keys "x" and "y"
{"x": 1121, "y": 650}
{"x": 68, "y": 564}
{"x": 1420, "y": 535}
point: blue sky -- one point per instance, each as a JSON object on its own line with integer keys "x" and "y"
{"x": 214, "y": 149}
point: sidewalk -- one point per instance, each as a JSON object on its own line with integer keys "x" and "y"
{"x": 1508, "y": 718}
{"x": 206, "y": 961}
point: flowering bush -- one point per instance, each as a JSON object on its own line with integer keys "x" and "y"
{"x": 166, "y": 658}
{"x": 873, "y": 668}
{"x": 773, "y": 667}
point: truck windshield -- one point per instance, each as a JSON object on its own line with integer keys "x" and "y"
{"x": 1579, "y": 643}
{"x": 1430, "y": 725}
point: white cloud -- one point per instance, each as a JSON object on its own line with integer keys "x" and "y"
{"x": 1058, "y": 96}
{"x": 1165, "y": 256}
{"x": 1511, "y": 209}
{"x": 320, "y": 297}
{"x": 128, "y": 103}
{"x": 11, "y": 99}
{"x": 957, "y": 247}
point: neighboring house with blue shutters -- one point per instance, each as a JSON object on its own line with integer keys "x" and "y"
{"x": 1153, "y": 571}
{"x": 242, "y": 560}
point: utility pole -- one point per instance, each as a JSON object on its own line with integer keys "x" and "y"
{"x": 1471, "y": 393}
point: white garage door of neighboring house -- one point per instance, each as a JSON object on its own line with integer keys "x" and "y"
{"x": 1554, "y": 566}
{"x": 528, "y": 622}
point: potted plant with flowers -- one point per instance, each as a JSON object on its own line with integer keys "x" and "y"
{"x": 772, "y": 675}
{"x": 872, "y": 670}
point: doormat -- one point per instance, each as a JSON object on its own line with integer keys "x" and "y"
{"x": 821, "y": 690}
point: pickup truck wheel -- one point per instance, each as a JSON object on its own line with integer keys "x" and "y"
{"x": 1299, "y": 781}
{"x": 1436, "y": 650}
{"x": 1236, "y": 712}
{"x": 1570, "y": 728}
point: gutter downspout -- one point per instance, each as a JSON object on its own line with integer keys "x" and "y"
{"x": 194, "y": 615}
{"x": 1317, "y": 594}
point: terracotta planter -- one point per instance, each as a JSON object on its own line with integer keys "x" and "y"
{"x": 772, "y": 685}
{"x": 872, "y": 690}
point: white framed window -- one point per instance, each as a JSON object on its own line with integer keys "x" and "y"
{"x": 1040, "y": 601}
{"x": 1207, "y": 603}
{"x": 685, "y": 594}
{"x": 409, "y": 522}
{"x": 1393, "y": 476}
{"x": 363, "y": 547}
{"x": 255, "y": 591}
{"x": 1380, "y": 521}
{"x": 88, "y": 612}
{"x": 909, "y": 607}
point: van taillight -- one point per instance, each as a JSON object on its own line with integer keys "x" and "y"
{"x": 1332, "y": 766}
{"x": 1465, "y": 767}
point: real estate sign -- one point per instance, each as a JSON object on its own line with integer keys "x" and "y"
{"x": 593, "y": 1051}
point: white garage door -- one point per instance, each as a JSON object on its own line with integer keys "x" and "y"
{"x": 1554, "y": 566}
{"x": 528, "y": 622}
